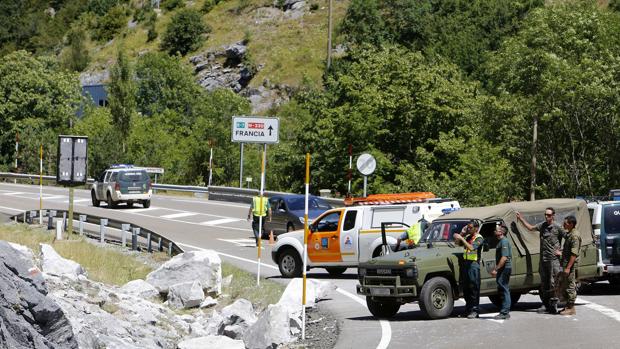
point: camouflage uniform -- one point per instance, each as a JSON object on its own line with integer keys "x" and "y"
{"x": 550, "y": 238}
{"x": 572, "y": 246}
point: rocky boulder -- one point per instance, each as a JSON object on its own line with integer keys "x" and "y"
{"x": 203, "y": 266}
{"x": 234, "y": 320}
{"x": 219, "y": 342}
{"x": 53, "y": 264}
{"x": 275, "y": 326}
{"x": 28, "y": 317}
{"x": 185, "y": 295}
{"x": 225, "y": 67}
{"x": 315, "y": 290}
{"x": 140, "y": 288}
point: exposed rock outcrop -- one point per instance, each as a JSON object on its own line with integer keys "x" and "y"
{"x": 203, "y": 266}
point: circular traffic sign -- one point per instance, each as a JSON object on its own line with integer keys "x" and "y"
{"x": 366, "y": 164}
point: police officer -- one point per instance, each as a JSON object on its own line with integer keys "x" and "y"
{"x": 412, "y": 236}
{"x": 502, "y": 270}
{"x": 570, "y": 258}
{"x": 472, "y": 244}
{"x": 550, "y": 237}
{"x": 260, "y": 208}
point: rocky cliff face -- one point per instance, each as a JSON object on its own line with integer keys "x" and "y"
{"x": 28, "y": 317}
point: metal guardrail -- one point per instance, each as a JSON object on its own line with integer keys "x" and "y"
{"x": 241, "y": 195}
{"x": 141, "y": 238}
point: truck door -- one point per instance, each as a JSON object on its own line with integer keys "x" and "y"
{"x": 487, "y": 263}
{"x": 349, "y": 237}
{"x": 324, "y": 240}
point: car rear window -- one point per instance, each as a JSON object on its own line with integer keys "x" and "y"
{"x": 133, "y": 176}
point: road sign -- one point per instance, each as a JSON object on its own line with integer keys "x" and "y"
{"x": 72, "y": 160}
{"x": 366, "y": 164}
{"x": 247, "y": 129}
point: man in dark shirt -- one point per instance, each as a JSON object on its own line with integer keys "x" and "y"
{"x": 503, "y": 269}
{"x": 472, "y": 244}
{"x": 550, "y": 241}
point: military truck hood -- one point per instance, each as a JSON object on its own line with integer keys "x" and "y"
{"x": 419, "y": 254}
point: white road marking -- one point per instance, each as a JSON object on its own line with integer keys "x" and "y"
{"x": 230, "y": 256}
{"x": 242, "y": 242}
{"x": 179, "y": 215}
{"x": 386, "y": 329}
{"x": 212, "y": 203}
{"x": 601, "y": 309}
{"x": 10, "y": 208}
{"x": 221, "y": 221}
{"x": 55, "y": 197}
{"x": 11, "y": 193}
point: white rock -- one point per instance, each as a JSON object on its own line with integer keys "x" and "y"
{"x": 219, "y": 342}
{"x": 185, "y": 295}
{"x": 24, "y": 251}
{"x": 214, "y": 323}
{"x": 208, "y": 302}
{"x": 204, "y": 266}
{"x": 241, "y": 312}
{"x": 52, "y": 263}
{"x": 315, "y": 290}
{"x": 140, "y": 288}
{"x": 272, "y": 329}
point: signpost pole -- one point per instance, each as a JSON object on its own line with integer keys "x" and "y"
{"x": 303, "y": 297}
{"x": 70, "y": 211}
{"x": 260, "y": 218}
{"x": 241, "y": 167}
{"x": 365, "y": 183}
{"x": 16, "y": 153}
{"x": 210, "y": 166}
{"x": 350, "y": 167}
{"x": 41, "y": 185}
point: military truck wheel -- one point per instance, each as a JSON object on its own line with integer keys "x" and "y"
{"x": 111, "y": 203}
{"x": 383, "y": 310}
{"x": 130, "y": 204}
{"x": 289, "y": 263}
{"x": 93, "y": 196}
{"x": 336, "y": 271}
{"x": 146, "y": 203}
{"x": 436, "y": 299}
{"x": 497, "y": 299}
{"x": 615, "y": 282}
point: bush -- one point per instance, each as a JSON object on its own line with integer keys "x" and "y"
{"x": 184, "y": 33}
{"x": 314, "y": 6}
{"x": 110, "y": 24}
{"x": 150, "y": 26}
{"x": 172, "y": 4}
{"x": 208, "y": 5}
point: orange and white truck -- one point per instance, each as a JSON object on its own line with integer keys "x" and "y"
{"x": 342, "y": 237}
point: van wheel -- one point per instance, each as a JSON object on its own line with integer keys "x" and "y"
{"x": 93, "y": 196}
{"x": 290, "y": 263}
{"x": 497, "y": 299}
{"x": 336, "y": 271}
{"x": 382, "y": 309}
{"x": 436, "y": 299}
{"x": 146, "y": 203}
{"x": 111, "y": 203}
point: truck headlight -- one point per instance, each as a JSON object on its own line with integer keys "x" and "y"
{"x": 410, "y": 272}
{"x": 361, "y": 271}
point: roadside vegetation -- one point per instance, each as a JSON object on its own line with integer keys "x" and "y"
{"x": 445, "y": 95}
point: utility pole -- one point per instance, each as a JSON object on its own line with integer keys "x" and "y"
{"x": 329, "y": 35}
{"x": 533, "y": 166}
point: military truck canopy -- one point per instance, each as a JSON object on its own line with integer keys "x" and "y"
{"x": 534, "y": 213}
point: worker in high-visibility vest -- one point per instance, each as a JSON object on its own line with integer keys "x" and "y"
{"x": 260, "y": 208}
{"x": 472, "y": 246}
{"x": 412, "y": 236}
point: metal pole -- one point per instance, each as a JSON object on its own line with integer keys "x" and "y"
{"x": 303, "y": 297}
{"x": 210, "y": 167}
{"x": 365, "y": 184}
{"x": 241, "y": 168}
{"x": 102, "y": 224}
{"x": 155, "y": 190}
{"x": 71, "y": 192}
{"x": 58, "y": 229}
{"x": 329, "y": 36}
{"x": 16, "y": 153}
{"x": 260, "y": 218}
{"x": 64, "y": 221}
{"x": 50, "y": 219}
{"x": 41, "y": 186}
{"x": 148, "y": 243}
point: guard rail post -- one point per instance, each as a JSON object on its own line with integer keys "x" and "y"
{"x": 33, "y": 214}
{"x": 169, "y": 248}
{"x": 160, "y": 244}
{"x": 82, "y": 219}
{"x": 24, "y": 217}
{"x": 50, "y": 219}
{"x": 103, "y": 222}
{"x": 124, "y": 229}
{"x": 134, "y": 239}
{"x": 58, "y": 229}
{"x": 148, "y": 243}
{"x": 64, "y": 221}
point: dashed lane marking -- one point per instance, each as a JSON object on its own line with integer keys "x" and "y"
{"x": 241, "y": 242}
{"x": 221, "y": 221}
{"x": 10, "y": 208}
{"x": 208, "y": 202}
{"x": 230, "y": 256}
{"x": 13, "y": 193}
{"x": 601, "y": 309}
{"x": 179, "y": 215}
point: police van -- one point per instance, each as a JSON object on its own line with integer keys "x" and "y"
{"x": 122, "y": 184}
{"x": 606, "y": 226}
{"x": 341, "y": 238}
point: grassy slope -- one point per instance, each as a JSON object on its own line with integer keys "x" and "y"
{"x": 290, "y": 50}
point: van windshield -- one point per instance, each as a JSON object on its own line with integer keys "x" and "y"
{"x": 611, "y": 217}
{"x": 442, "y": 231}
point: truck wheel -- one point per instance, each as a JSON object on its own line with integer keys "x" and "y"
{"x": 336, "y": 271}
{"x": 130, "y": 204}
{"x": 290, "y": 263}
{"x": 497, "y": 299}
{"x": 111, "y": 202}
{"x": 382, "y": 309}
{"x": 146, "y": 203}
{"x": 93, "y": 196}
{"x": 436, "y": 299}
{"x": 615, "y": 282}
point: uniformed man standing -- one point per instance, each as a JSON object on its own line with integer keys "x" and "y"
{"x": 503, "y": 269}
{"x": 570, "y": 258}
{"x": 260, "y": 208}
{"x": 472, "y": 244}
{"x": 550, "y": 237}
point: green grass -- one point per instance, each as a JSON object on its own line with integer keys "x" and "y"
{"x": 290, "y": 50}
{"x": 243, "y": 285}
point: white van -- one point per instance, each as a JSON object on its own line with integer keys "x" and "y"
{"x": 340, "y": 238}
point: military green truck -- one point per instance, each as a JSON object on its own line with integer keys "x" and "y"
{"x": 431, "y": 273}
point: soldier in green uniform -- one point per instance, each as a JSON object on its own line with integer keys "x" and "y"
{"x": 502, "y": 270}
{"x": 472, "y": 244}
{"x": 570, "y": 258}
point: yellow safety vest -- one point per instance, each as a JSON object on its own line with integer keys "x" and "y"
{"x": 414, "y": 233}
{"x": 471, "y": 255}
{"x": 259, "y": 208}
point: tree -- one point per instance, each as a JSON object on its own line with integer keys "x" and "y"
{"x": 184, "y": 33}
{"x": 122, "y": 92}
{"x": 76, "y": 57}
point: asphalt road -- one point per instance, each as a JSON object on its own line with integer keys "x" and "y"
{"x": 198, "y": 223}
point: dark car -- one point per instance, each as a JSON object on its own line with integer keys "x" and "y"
{"x": 288, "y": 212}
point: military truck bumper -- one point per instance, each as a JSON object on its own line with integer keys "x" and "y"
{"x": 386, "y": 286}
